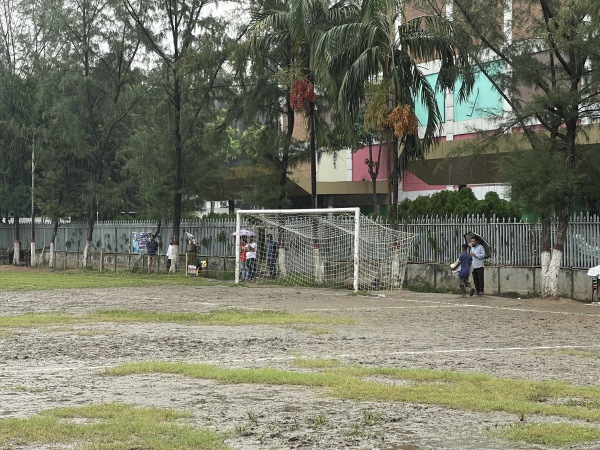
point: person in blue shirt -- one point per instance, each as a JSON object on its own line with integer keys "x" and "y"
{"x": 152, "y": 250}
{"x": 272, "y": 251}
{"x": 464, "y": 273}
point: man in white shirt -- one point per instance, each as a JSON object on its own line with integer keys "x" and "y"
{"x": 170, "y": 254}
{"x": 251, "y": 249}
{"x": 478, "y": 254}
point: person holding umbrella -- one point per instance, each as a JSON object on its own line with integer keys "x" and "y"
{"x": 251, "y": 250}
{"x": 478, "y": 254}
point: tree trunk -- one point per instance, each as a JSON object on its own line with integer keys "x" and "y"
{"x": 178, "y": 168}
{"x": 395, "y": 182}
{"x": 390, "y": 171}
{"x": 545, "y": 256}
{"x": 374, "y": 172}
{"x": 551, "y": 272}
{"x": 52, "y": 255}
{"x": 16, "y": 239}
{"x": 85, "y": 260}
{"x": 313, "y": 157}
{"x": 175, "y": 258}
{"x": 551, "y": 283}
{"x": 32, "y": 255}
{"x": 285, "y": 157}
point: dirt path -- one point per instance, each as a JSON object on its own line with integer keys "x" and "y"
{"x": 44, "y": 368}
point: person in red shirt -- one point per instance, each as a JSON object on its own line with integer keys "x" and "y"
{"x": 243, "y": 263}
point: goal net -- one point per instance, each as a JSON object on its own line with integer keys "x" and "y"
{"x": 319, "y": 247}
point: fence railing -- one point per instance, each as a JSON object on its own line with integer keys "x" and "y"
{"x": 514, "y": 243}
{"x": 438, "y": 240}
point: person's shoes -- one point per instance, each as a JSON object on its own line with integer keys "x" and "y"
{"x": 472, "y": 292}
{"x": 480, "y": 293}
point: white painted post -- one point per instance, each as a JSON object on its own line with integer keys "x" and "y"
{"x": 237, "y": 248}
{"x": 356, "y": 247}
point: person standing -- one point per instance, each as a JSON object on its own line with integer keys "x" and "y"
{"x": 243, "y": 263}
{"x": 170, "y": 254}
{"x": 272, "y": 252}
{"x": 251, "y": 249}
{"x": 152, "y": 249}
{"x": 478, "y": 254}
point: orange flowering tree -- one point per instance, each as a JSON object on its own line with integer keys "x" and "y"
{"x": 403, "y": 121}
{"x": 302, "y": 95}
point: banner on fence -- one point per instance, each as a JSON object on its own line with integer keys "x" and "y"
{"x": 138, "y": 241}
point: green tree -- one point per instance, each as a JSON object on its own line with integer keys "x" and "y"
{"x": 19, "y": 50}
{"x": 380, "y": 45}
{"x": 92, "y": 91}
{"x": 297, "y": 26}
{"x": 265, "y": 80}
{"x": 270, "y": 154}
{"x": 459, "y": 203}
{"x": 367, "y": 134}
{"x": 550, "y": 83}
{"x": 191, "y": 47}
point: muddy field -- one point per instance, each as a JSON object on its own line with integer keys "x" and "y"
{"x": 46, "y": 368}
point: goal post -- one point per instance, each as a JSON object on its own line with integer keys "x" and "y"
{"x": 334, "y": 247}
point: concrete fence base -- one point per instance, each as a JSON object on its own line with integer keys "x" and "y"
{"x": 502, "y": 280}
{"x": 499, "y": 280}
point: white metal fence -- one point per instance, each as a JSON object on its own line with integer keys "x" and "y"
{"x": 514, "y": 243}
{"x": 438, "y": 240}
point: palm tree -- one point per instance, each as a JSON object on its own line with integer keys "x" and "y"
{"x": 380, "y": 46}
{"x": 298, "y": 25}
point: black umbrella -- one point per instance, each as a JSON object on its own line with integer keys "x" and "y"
{"x": 486, "y": 246}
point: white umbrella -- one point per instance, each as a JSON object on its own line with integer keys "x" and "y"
{"x": 594, "y": 271}
{"x": 244, "y": 232}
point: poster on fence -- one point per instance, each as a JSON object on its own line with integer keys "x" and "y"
{"x": 138, "y": 241}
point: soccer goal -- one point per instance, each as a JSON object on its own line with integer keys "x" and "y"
{"x": 334, "y": 247}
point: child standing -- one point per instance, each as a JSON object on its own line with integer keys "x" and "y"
{"x": 464, "y": 273}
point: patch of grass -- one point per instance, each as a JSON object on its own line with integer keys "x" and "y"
{"x": 317, "y": 331}
{"x": 316, "y": 363}
{"x": 218, "y": 275}
{"x": 36, "y": 390}
{"x": 318, "y": 421}
{"x": 466, "y": 391}
{"x": 243, "y": 430}
{"x": 33, "y": 280}
{"x": 252, "y": 417}
{"x": 355, "y": 430}
{"x": 229, "y": 317}
{"x": 556, "y": 435}
{"x": 370, "y": 418}
{"x": 4, "y": 334}
{"x": 108, "y": 426}
{"x": 570, "y": 352}
{"x": 208, "y": 371}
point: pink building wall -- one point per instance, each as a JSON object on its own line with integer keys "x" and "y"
{"x": 360, "y": 171}
{"x": 411, "y": 183}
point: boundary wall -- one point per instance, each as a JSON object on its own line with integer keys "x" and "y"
{"x": 499, "y": 280}
{"x": 502, "y": 280}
